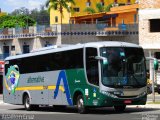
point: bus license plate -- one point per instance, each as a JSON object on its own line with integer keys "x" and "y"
{"x": 127, "y": 101}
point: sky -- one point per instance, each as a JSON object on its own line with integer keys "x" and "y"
{"x": 10, "y": 5}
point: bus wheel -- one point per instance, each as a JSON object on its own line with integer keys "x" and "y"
{"x": 27, "y": 104}
{"x": 80, "y": 105}
{"x": 120, "y": 108}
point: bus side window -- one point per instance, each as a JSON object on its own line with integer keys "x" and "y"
{"x": 92, "y": 66}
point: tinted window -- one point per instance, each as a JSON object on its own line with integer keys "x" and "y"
{"x": 154, "y": 25}
{"x": 92, "y": 66}
{"x": 54, "y": 61}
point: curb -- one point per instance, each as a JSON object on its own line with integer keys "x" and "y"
{"x": 145, "y": 106}
{"x": 1, "y": 102}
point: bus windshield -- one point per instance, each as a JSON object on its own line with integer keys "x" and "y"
{"x": 125, "y": 66}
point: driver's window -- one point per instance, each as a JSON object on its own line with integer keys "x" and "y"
{"x": 92, "y": 66}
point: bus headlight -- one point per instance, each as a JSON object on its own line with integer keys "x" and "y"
{"x": 142, "y": 94}
{"x": 108, "y": 94}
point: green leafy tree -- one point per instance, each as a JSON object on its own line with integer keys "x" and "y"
{"x": 40, "y": 16}
{"x": 21, "y": 11}
{"x": 107, "y": 8}
{"x": 10, "y": 21}
{"x": 99, "y": 8}
{"x": 59, "y": 5}
{"x": 90, "y": 10}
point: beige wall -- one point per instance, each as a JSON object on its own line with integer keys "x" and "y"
{"x": 147, "y": 39}
{"x": 40, "y": 41}
{"x": 149, "y": 4}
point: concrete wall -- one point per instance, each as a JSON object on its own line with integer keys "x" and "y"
{"x": 147, "y": 39}
{"x": 67, "y": 34}
{"x": 149, "y": 4}
{"x": 85, "y": 37}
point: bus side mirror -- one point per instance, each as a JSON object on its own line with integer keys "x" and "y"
{"x": 103, "y": 59}
{"x": 156, "y": 64}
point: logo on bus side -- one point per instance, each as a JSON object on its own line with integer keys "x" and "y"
{"x": 62, "y": 77}
{"x": 12, "y": 78}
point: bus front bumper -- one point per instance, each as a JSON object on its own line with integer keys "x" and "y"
{"x": 107, "y": 101}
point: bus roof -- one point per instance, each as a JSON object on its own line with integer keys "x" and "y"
{"x": 53, "y": 49}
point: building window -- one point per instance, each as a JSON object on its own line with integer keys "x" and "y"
{"x": 128, "y": 1}
{"x": 115, "y": 1}
{"x": 102, "y": 3}
{"x": 135, "y": 18}
{"x": 88, "y": 3}
{"x": 157, "y": 55}
{"x": 154, "y": 25}
{"x": 12, "y": 48}
{"x": 56, "y": 19}
{"x": 76, "y": 9}
{"x": 26, "y": 49}
{"x": 47, "y": 44}
{"x": 5, "y": 51}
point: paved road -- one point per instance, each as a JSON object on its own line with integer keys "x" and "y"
{"x": 11, "y": 112}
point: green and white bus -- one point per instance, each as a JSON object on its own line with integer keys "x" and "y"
{"x": 97, "y": 74}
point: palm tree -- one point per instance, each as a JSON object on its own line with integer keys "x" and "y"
{"x": 99, "y": 8}
{"x": 89, "y": 10}
{"x": 59, "y": 5}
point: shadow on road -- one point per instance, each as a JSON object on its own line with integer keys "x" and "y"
{"x": 106, "y": 110}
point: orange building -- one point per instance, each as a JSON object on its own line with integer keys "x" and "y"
{"x": 127, "y": 14}
{"x": 81, "y": 5}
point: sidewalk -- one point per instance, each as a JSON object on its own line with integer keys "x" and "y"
{"x": 145, "y": 106}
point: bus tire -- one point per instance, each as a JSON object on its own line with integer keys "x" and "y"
{"x": 120, "y": 108}
{"x": 27, "y": 104}
{"x": 80, "y": 105}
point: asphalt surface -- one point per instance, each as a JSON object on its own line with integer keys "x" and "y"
{"x": 17, "y": 112}
{"x": 70, "y": 113}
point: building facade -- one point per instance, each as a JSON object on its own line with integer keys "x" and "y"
{"x": 81, "y": 5}
{"x": 19, "y": 41}
{"x": 119, "y": 24}
{"x": 149, "y": 28}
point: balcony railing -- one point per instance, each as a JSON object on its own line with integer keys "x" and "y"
{"x": 119, "y": 30}
{"x": 98, "y": 29}
{"x": 29, "y": 32}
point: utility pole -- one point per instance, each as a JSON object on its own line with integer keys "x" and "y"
{"x": 152, "y": 72}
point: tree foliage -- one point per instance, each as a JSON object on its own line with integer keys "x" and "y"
{"x": 59, "y": 5}
{"x": 21, "y": 11}
{"x": 10, "y": 21}
{"x": 90, "y": 10}
{"x": 99, "y": 8}
{"x": 24, "y": 17}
